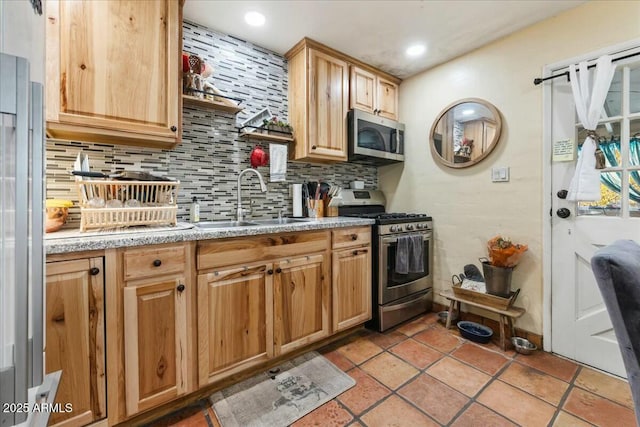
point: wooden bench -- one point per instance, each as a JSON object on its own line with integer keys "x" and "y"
{"x": 506, "y": 316}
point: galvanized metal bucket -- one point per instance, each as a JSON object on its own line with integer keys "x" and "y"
{"x": 497, "y": 279}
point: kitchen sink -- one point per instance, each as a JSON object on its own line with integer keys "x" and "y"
{"x": 255, "y": 222}
{"x": 280, "y": 221}
{"x": 225, "y": 224}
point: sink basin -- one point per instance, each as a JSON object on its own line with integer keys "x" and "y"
{"x": 280, "y": 221}
{"x": 225, "y": 224}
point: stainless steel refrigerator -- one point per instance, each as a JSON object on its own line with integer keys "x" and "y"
{"x": 24, "y": 391}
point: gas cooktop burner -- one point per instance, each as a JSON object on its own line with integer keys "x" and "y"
{"x": 393, "y": 217}
{"x": 398, "y": 215}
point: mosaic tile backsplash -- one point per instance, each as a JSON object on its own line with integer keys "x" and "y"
{"x": 212, "y": 153}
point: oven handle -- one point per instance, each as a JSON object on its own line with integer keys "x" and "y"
{"x": 393, "y": 239}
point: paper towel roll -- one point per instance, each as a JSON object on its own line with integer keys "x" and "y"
{"x": 297, "y": 200}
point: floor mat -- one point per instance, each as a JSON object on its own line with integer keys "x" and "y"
{"x": 281, "y": 395}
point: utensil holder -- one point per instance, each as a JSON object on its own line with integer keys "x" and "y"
{"x": 330, "y": 210}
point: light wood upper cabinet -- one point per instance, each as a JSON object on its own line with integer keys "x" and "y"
{"x": 351, "y": 277}
{"x": 301, "y": 302}
{"x": 318, "y": 104}
{"x": 373, "y": 93}
{"x": 387, "y": 92}
{"x": 319, "y": 86}
{"x": 113, "y": 71}
{"x": 155, "y": 343}
{"x": 235, "y": 320}
{"x": 75, "y": 342}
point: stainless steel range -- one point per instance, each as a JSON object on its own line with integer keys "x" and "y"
{"x": 398, "y": 295}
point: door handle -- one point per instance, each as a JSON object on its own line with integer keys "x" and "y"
{"x": 562, "y": 194}
{"x": 563, "y": 213}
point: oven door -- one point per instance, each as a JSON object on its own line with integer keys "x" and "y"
{"x": 393, "y": 285}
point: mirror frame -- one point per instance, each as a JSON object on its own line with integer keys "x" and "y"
{"x": 491, "y": 147}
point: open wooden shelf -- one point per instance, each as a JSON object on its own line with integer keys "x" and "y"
{"x": 224, "y": 105}
{"x": 266, "y": 137}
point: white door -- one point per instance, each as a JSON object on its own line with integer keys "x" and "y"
{"x": 581, "y": 328}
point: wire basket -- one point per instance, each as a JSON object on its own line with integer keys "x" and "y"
{"x": 110, "y": 204}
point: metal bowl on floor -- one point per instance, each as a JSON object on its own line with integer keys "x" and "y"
{"x": 523, "y": 345}
{"x": 442, "y": 317}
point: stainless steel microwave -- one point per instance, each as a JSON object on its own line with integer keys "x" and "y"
{"x": 374, "y": 139}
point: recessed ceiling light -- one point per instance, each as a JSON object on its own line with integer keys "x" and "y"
{"x": 468, "y": 112}
{"x": 255, "y": 19}
{"x": 416, "y": 50}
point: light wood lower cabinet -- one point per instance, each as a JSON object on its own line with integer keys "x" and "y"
{"x": 155, "y": 343}
{"x": 151, "y": 338}
{"x": 166, "y": 338}
{"x": 75, "y": 342}
{"x": 235, "y": 320}
{"x": 301, "y": 302}
{"x": 248, "y": 314}
{"x": 277, "y": 300}
{"x": 351, "y": 287}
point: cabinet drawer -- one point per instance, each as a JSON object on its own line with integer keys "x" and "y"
{"x": 223, "y": 252}
{"x": 150, "y": 261}
{"x": 345, "y": 237}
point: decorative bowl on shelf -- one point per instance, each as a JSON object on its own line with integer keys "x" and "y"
{"x": 475, "y": 332}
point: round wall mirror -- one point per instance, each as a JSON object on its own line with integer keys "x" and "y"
{"x": 465, "y": 132}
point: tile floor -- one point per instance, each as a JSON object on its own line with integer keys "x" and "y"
{"x": 420, "y": 374}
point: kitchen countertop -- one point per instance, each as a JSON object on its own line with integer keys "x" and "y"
{"x": 66, "y": 241}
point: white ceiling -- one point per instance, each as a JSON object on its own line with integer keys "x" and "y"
{"x": 377, "y": 32}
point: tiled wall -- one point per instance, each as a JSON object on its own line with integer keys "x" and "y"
{"x": 211, "y": 154}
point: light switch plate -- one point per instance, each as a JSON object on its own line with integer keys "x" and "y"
{"x": 500, "y": 174}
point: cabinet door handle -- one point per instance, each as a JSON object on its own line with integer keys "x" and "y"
{"x": 173, "y": 128}
{"x": 180, "y": 287}
{"x": 270, "y": 271}
{"x": 278, "y": 270}
{"x": 354, "y": 237}
{"x": 313, "y": 147}
{"x": 157, "y": 263}
{"x": 94, "y": 271}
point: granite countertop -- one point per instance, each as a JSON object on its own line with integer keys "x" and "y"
{"x": 66, "y": 241}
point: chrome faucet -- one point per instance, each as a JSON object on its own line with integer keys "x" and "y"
{"x": 263, "y": 187}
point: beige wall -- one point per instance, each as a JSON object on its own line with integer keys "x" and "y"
{"x": 468, "y": 209}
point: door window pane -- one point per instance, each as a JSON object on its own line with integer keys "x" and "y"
{"x": 610, "y": 201}
{"x": 634, "y": 193}
{"x": 613, "y": 103}
{"x": 634, "y": 94}
{"x": 634, "y": 142}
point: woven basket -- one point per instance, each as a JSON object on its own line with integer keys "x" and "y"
{"x": 157, "y": 202}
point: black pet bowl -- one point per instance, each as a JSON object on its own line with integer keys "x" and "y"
{"x": 475, "y": 332}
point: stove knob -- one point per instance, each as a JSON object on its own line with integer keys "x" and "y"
{"x": 419, "y": 226}
{"x": 393, "y": 229}
{"x": 399, "y": 228}
{"x": 409, "y": 227}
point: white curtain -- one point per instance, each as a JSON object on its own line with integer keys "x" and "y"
{"x": 585, "y": 184}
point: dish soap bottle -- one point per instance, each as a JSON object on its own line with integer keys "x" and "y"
{"x": 194, "y": 212}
